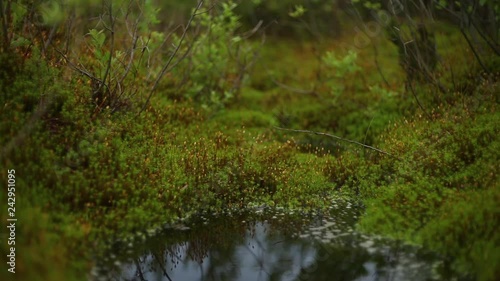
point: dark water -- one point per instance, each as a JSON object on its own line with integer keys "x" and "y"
{"x": 266, "y": 245}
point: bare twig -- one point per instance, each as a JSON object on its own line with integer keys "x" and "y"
{"x": 493, "y": 45}
{"x": 161, "y": 263}
{"x": 111, "y": 51}
{"x": 69, "y": 27}
{"x": 169, "y": 61}
{"x": 368, "y": 129}
{"x": 167, "y": 38}
{"x": 181, "y": 58}
{"x": 135, "y": 38}
{"x": 250, "y": 33}
{"x": 409, "y": 84}
{"x": 338, "y": 138}
{"x": 139, "y": 269}
{"x": 49, "y": 38}
{"x": 131, "y": 58}
{"x": 473, "y": 49}
{"x": 292, "y": 89}
{"x": 375, "y": 49}
{"x": 74, "y": 66}
{"x": 465, "y": 22}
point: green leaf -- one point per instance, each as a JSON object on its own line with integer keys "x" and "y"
{"x": 98, "y": 37}
{"x": 298, "y": 11}
{"x": 236, "y": 39}
{"x": 52, "y": 13}
{"x": 20, "y": 42}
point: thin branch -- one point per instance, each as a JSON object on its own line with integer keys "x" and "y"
{"x": 338, "y": 138}
{"x": 160, "y": 263}
{"x": 164, "y": 69}
{"x": 465, "y": 22}
{"x": 409, "y": 84}
{"x": 135, "y": 38}
{"x": 131, "y": 59}
{"x": 493, "y": 46}
{"x": 167, "y": 38}
{"x": 186, "y": 53}
{"x": 250, "y": 33}
{"x": 473, "y": 49}
{"x": 375, "y": 49}
{"x": 49, "y": 38}
{"x": 453, "y": 78}
{"x": 292, "y": 89}
{"x": 111, "y": 51}
{"x": 368, "y": 129}
{"x": 246, "y": 65}
{"x": 139, "y": 270}
{"x": 69, "y": 27}
{"x": 74, "y": 66}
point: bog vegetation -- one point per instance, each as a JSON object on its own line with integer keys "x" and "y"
{"x": 119, "y": 116}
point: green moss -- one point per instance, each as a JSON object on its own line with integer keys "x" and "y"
{"x": 90, "y": 174}
{"x": 443, "y": 186}
{"x": 467, "y": 230}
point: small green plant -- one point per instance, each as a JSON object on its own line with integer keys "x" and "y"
{"x": 298, "y": 11}
{"x": 217, "y": 60}
{"x": 114, "y": 69}
{"x": 338, "y": 71}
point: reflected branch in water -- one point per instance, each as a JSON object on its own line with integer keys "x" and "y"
{"x": 227, "y": 249}
{"x": 160, "y": 263}
{"x": 139, "y": 269}
{"x": 259, "y": 261}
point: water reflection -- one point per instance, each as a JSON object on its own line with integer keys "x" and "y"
{"x": 271, "y": 246}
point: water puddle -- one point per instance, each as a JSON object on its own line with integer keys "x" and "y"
{"x": 267, "y": 245}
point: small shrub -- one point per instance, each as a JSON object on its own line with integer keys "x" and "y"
{"x": 217, "y": 60}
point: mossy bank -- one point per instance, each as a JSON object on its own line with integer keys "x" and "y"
{"x": 128, "y": 127}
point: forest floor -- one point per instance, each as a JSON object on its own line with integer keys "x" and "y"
{"x": 83, "y": 179}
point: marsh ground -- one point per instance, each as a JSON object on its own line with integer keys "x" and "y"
{"x": 91, "y": 166}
